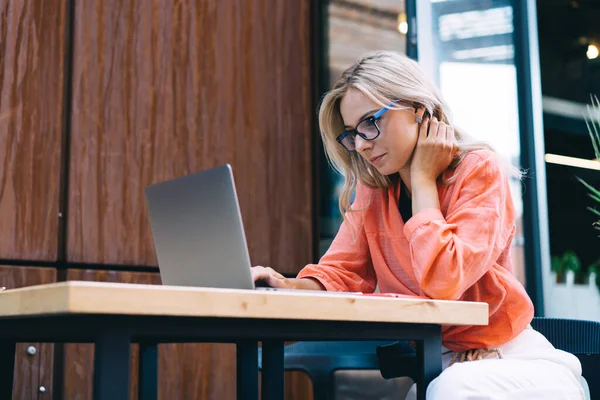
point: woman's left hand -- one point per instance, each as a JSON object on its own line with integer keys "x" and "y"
{"x": 434, "y": 151}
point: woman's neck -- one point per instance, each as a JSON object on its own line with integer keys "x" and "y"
{"x": 405, "y": 178}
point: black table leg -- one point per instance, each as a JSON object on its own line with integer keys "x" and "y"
{"x": 148, "y": 372}
{"x": 429, "y": 354}
{"x": 111, "y": 365}
{"x": 247, "y": 370}
{"x": 272, "y": 385}
{"x": 7, "y": 369}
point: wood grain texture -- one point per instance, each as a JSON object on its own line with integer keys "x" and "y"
{"x": 162, "y": 89}
{"x": 298, "y": 386}
{"x": 78, "y": 297}
{"x": 186, "y": 371}
{"x": 31, "y": 371}
{"x": 46, "y": 371}
{"x": 197, "y": 371}
{"x": 31, "y": 95}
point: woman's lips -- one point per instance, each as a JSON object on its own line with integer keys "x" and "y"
{"x": 376, "y": 160}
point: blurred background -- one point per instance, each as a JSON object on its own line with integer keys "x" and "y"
{"x": 99, "y": 98}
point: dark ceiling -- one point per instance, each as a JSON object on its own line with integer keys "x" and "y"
{"x": 565, "y": 29}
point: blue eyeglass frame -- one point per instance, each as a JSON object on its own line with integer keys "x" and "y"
{"x": 375, "y": 117}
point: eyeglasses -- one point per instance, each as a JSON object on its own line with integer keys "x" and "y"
{"x": 366, "y": 129}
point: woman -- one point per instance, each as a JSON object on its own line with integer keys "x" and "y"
{"x": 432, "y": 216}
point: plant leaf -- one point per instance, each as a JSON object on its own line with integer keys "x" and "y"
{"x": 594, "y": 197}
{"x": 592, "y": 189}
{"x": 595, "y": 130}
{"x": 594, "y": 211}
{"x": 595, "y": 121}
{"x": 571, "y": 262}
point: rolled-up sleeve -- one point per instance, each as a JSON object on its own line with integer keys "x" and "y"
{"x": 347, "y": 265}
{"x": 448, "y": 255}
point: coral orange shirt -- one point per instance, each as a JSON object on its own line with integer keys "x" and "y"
{"x": 462, "y": 252}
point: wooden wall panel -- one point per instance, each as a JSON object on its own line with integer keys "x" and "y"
{"x": 31, "y": 95}
{"x": 46, "y": 378}
{"x": 32, "y": 371}
{"x": 298, "y": 386}
{"x": 162, "y": 89}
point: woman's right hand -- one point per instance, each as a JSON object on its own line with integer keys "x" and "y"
{"x": 271, "y": 278}
{"x": 274, "y": 279}
{"x": 434, "y": 152}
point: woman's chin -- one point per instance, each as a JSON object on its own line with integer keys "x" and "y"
{"x": 386, "y": 170}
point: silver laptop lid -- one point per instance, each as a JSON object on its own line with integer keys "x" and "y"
{"x": 198, "y": 231}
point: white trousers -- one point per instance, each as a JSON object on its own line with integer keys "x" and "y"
{"x": 531, "y": 368}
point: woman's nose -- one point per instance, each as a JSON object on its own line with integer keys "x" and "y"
{"x": 362, "y": 144}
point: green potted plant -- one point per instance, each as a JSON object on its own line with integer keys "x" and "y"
{"x": 572, "y": 263}
{"x": 593, "y": 124}
{"x": 595, "y": 269}
{"x": 575, "y": 287}
{"x": 569, "y": 264}
{"x": 557, "y": 268}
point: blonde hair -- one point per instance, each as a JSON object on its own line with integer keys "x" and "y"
{"x": 382, "y": 76}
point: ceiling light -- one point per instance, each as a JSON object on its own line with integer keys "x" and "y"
{"x": 402, "y": 24}
{"x": 572, "y": 161}
{"x": 592, "y": 52}
{"x": 403, "y": 28}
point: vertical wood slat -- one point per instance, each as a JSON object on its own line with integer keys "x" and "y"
{"x": 31, "y": 371}
{"x": 31, "y": 81}
{"x": 46, "y": 375}
{"x": 164, "y": 89}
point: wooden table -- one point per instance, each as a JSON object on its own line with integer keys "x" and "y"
{"x": 114, "y": 315}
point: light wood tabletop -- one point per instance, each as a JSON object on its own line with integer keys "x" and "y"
{"x": 77, "y": 297}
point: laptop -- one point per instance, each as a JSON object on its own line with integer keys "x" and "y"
{"x": 198, "y": 231}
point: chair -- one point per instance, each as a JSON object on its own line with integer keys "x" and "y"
{"x": 578, "y": 337}
{"x": 319, "y": 360}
